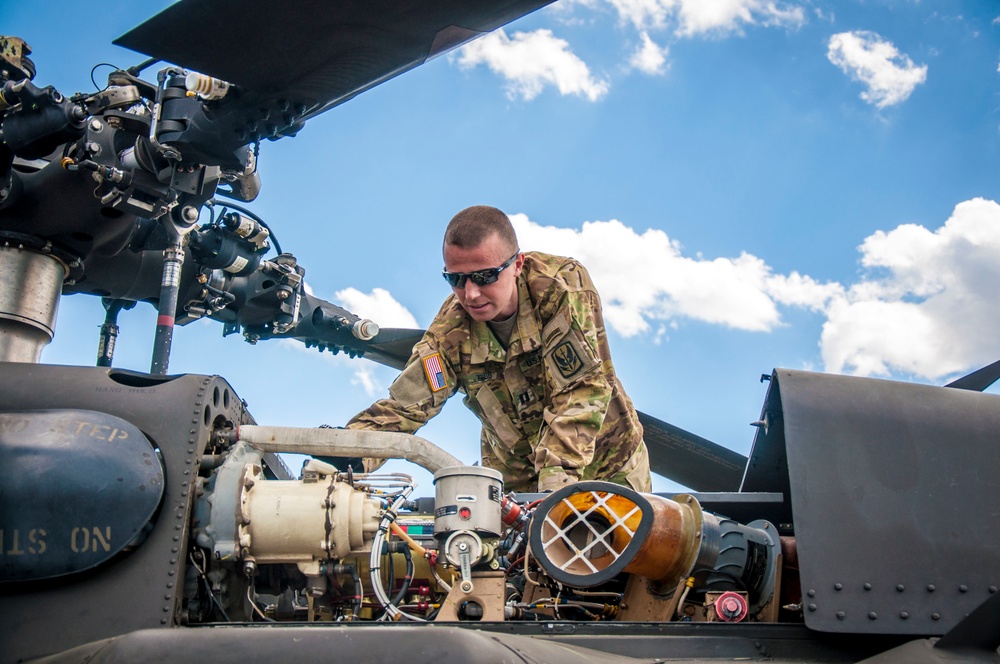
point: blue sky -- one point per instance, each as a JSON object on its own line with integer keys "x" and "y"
{"x": 753, "y": 185}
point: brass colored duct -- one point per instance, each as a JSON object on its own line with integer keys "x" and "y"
{"x": 588, "y": 533}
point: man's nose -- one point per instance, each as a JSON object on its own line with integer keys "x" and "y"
{"x": 471, "y": 290}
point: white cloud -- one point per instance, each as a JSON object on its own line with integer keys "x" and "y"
{"x": 866, "y": 57}
{"x": 928, "y": 306}
{"x": 924, "y": 306}
{"x": 649, "y": 57}
{"x": 379, "y": 306}
{"x": 724, "y": 16}
{"x": 645, "y": 277}
{"x": 531, "y": 60}
{"x": 696, "y": 17}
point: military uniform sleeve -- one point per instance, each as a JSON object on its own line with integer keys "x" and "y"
{"x": 417, "y": 395}
{"x": 579, "y": 391}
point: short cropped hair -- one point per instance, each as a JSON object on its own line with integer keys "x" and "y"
{"x": 474, "y": 225}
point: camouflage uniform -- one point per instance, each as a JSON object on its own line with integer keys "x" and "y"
{"x": 552, "y": 409}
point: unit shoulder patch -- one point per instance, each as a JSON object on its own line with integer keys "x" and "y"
{"x": 567, "y": 359}
{"x": 567, "y": 355}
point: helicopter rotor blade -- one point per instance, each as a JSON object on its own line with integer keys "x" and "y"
{"x": 392, "y": 346}
{"x": 689, "y": 459}
{"x": 978, "y": 380}
{"x": 316, "y": 54}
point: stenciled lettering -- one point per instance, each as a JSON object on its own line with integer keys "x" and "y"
{"x": 82, "y": 540}
{"x": 11, "y": 542}
{"x": 91, "y": 429}
{"x": 13, "y": 424}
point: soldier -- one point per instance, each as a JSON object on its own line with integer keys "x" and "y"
{"x": 522, "y": 337}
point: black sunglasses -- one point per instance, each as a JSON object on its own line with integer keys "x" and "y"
{"x": 479, "y": 277}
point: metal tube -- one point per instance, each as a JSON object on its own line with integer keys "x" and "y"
{"x": 30, "y": 286}
{"x": 348, "y": 443}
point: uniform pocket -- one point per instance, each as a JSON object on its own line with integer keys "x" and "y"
{"x": 498, "y": 420}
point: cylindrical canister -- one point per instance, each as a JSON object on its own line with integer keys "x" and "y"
{"x": 467, "y": 498}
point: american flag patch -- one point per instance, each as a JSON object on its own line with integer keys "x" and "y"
{"x": 435, "y": 373}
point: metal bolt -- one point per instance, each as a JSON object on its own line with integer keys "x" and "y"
{"x": 95, "y": 125}
{"x": 812, "y": 607}
{"x": 904, "y": 615}
{"x": 963, "y": 588}
{"x": 900, "y": 587}
{"x": 93, "y": 147}
{"x": 931, "y": 587}
{"x": 281, "y": 295}
{"x": 190, "y": 214}
{"x": 868, "y": 586}
{"x": 838, "y": 586}
{"x": 993, "y": 589}
{"x": 872, "y": 616}
{"x": 811, "y": 593}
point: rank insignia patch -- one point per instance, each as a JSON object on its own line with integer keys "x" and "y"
{"x": 435, "y": 372}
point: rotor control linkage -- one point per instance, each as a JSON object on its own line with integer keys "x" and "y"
{"x": 110, "y": 329}
{"x": 361, "y": 328}
{"x": 173, "y": 259}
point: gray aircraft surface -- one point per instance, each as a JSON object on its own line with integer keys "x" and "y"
{"x": 147, "y": 516}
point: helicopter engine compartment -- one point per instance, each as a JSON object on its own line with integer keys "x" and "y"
{"x": 338, "y": 546}
{"x": 176, "y": 513}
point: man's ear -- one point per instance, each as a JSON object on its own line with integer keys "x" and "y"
{"x": 518, "y": 264}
